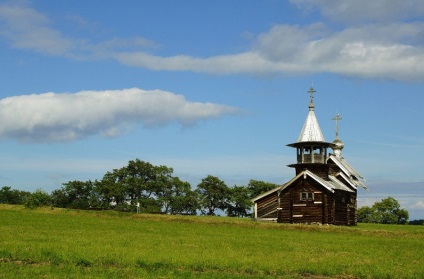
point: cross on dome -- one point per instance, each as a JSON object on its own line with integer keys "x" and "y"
{"x": 337, "y": 118}
{"x": 311, "y": 92}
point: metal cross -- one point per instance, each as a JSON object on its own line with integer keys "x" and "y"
{"x": 312, "y": 91}
{"x": 337, "y": 118}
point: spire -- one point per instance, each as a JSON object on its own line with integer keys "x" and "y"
{"x": 311, "y": 130}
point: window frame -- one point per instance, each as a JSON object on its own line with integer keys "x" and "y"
{"x": 309, "y": 196}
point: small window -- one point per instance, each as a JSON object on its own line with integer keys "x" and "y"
{"x": 306, "y": 196}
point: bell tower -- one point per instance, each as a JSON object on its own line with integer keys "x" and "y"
{"x": 311, "y": 147}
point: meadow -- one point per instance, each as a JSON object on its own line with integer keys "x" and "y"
{"x": 60, "y": 243}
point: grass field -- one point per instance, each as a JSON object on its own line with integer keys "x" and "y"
{"x": 59, "y": 243}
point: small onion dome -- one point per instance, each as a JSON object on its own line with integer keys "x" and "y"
{"x": 337, "y": 146}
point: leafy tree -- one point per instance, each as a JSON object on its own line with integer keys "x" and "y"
{"x": 9, "y": 196}
{"x": 213, "y": 194}
{"x": 239, "y": 202}
{"x": 365, "y": 214}
{"x": 390, "y": 212}
{"x": 112, "y": 188}
{"x": 185, "y": 204}
{"x": 59, "y": 198}
{"x": 139, "y": 182}
{"x": 143, "y": 179}
{"x": 386, "y": 211}
{"x": 177, "y": 197}
{"x": 76, "y": 194}
{"x": 153, "y": 187}
{"x": 37, "y": 199}
{"x": 256, "y": 187}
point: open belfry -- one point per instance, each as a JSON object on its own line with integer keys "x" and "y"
{"x": 324, "y": 189}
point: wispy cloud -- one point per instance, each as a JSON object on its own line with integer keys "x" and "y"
{"x": 355, "y": 51}
{"x": 383, "y": 48}
{"x": 26, "y": 28}
{"x": 64, "y": 117}
{"x": 363, "y": 10}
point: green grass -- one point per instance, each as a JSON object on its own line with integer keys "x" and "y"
{"x": 59, "y": 243}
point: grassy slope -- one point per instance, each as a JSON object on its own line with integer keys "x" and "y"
{"x": 46, "y": 243}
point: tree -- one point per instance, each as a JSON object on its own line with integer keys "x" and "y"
{"x": 9, "y": 196}
{"x": 153, "y": 187}
{"x": 37, "y": 199}
{"x": 389, "y": 212}
{"x": 76, "y": 194}
{"x": 177, "y": 197}
{"x": 365, "y": 214}
{"x": 256, "y": 187}
{"x": 239, "y": 202}
{"x": 137, "y": 182}
{"x": 213, "y": 195}
{"x": 386, "y": 211}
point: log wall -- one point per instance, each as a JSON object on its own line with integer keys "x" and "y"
{"x": 267, "y": 206}
{"x": 287, "y": 206}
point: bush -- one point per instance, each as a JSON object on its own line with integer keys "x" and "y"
{"x": 37, "y": 199}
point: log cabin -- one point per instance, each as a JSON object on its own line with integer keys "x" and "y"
{"x": 324, "y": 189}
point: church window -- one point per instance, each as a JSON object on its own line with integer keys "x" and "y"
{"x": 306, "y": 196}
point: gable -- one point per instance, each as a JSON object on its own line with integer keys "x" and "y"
{"x": 266, "y": 194}
{"x": 350, "y": 174}
{"x": 331, "y": 185}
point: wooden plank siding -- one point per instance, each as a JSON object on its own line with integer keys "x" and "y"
{"x": 296, "y": 210}
{"x": 335, "y": 207}
{"x": 285, "y": 213}
{"x": 345, "y": 208}
{"x": 267, "y": 206}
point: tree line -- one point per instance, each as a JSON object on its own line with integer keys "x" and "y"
{"x": 157, "y": 190}
{"x": 154, "y": 188}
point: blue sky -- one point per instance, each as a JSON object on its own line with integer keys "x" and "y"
{"x": 210, "y": 88}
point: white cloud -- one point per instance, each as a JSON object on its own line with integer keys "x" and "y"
{"x": 249, "y": 62}
{"x": 63, "y": 117}
{"x": 364, "y": 10}
{"x": 375, "y": 51}
{"x": 28, "y": 29}
{"x": 418, "y": 205}
{"x": 385, "y": 50}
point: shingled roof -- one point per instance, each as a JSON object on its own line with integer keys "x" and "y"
{"x": 311, "y": 130}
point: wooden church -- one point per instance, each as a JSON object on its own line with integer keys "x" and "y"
{"x": 324, "y": 189}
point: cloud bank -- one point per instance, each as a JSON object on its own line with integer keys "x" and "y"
{"x": 372, "y": 43}
{"x": 63, "y": 117}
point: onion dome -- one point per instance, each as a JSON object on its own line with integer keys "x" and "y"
{"x": 337, "y": 146}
